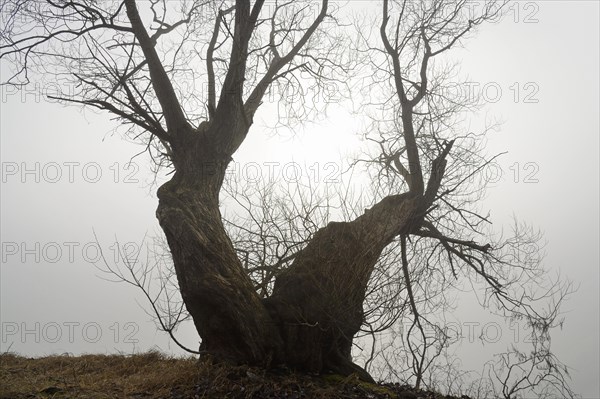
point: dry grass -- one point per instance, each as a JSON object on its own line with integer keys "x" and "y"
{"x": 153, "y": 375}
{"x": 94, "y": 376}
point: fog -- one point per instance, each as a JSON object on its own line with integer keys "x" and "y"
{"x": 68, "y": 180}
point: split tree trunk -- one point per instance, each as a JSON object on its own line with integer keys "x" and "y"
{"x": 316, "y": 308}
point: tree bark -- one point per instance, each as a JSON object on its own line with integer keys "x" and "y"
{"x": 227, "y": 312}
{"x": 317, "y": 302}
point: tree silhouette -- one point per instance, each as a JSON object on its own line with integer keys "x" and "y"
{"x": 187, "y": 78}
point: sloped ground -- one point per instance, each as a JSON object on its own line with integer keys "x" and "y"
{"x": 152, "y": 375}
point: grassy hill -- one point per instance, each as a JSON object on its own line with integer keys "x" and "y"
{"x": 153, "y": 375}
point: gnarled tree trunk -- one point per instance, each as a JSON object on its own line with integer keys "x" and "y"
{"x": 219, "y": 295}
{"x": 316, "y": 307}
{"x": 318, "y": 302}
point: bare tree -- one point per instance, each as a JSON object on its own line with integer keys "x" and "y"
{"x": 291, "y": 286}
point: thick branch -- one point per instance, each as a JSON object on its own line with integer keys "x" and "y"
{"x": 163, "y": 88}
{"x": 412, "y": 151}
{"x": 422, "y": 88}
{"x": 229, "y": 112}
{"x": 210, "y": 60}
{"x": 402, "y": 170}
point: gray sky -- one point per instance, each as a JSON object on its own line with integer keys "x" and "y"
{"x": 540, "y": 68}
